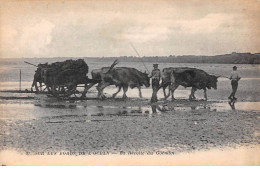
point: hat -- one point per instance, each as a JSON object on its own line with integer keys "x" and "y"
{"x": 234, "y": 67}
{"x": 155, "y": 64}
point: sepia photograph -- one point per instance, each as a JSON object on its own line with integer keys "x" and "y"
{"x": 130, "y": 83}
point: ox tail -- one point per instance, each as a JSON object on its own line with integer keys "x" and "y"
{"x": 113, "y": 65}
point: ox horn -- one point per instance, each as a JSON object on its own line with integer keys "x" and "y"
{"x": 220, "y": 76}
{"x": 113, "y": 65}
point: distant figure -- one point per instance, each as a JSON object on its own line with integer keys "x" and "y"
{"x": 234, "y": 77}
{"x": 156, "y": 77}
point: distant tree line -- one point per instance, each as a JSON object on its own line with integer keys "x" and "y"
{"x": 233, "y": 58}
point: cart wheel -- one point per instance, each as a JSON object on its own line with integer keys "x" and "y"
{"x": 54, "y": 91}
{"x": 62, "y": 91}
{"x": 67, "y": 91}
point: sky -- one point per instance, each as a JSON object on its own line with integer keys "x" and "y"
{"x": 105, "y": 28}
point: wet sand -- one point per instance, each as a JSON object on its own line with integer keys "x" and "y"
{"x": 121, "y": 125}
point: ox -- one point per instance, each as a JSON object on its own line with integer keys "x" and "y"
{"x": 187, "y": 77}
{"x": 96, "y": 75}
{"x": 38, "y": 78}
{"x": 121, "y": 77}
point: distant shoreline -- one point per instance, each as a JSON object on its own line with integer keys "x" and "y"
{"x": 233, "y": 58}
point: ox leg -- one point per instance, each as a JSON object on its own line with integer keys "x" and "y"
{"x": 53, "y": 89}
{"x": 84, "y": 92}
{"x": 119, "y": 89}
{"x": 87, "y": 87}
{"x": 32, "y": 87}
{"x": 205, "y": 94}
{"x": 40, "y": 86}
{"x": 164, "y": 92}
{"x": 48, "y": 88}
{"x": 140, "y": 92}
{"x": 100, "y": 90}
{"x": 125, "y": 88}
{"x": 36, "y": 87}
{"x": 192, "y": 97}
{"x": 34, "y": 84}
{"x": 173, "y": 85}
{"x": 172, "y": 88}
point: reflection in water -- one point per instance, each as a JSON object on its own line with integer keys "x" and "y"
{"x": 122, "y": 112}
{"x": 159, "y": 108}
{"x": 59, "y": 106}
{"x": 72, "y": 106}
{"x": 90, "y": 113}
{"x": 204, "y": 107}
{"x": 100, "y": 110}
{"x": 232, "y": 104}
{"x": 193, "y": 107}
{"x": 154, "y": 108}
{"x": 70, "y": 111}
{"x": 148, "y": 110}
{"x": 138, "y": 111}
{"x": 238, "y": 106}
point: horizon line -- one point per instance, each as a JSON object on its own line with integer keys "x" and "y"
{"x": 258, "y": 53}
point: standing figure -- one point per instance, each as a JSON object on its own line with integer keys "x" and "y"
{"x": 234, "y": 77}
{"x": 156, "y": 76}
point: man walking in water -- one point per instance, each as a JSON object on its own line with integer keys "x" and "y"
{"x": 234, "y": 77}
{"x": 156, "y": 76}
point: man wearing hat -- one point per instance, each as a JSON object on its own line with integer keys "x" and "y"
{"x": 234, "y": 77}
{"x": 156, "y": 76}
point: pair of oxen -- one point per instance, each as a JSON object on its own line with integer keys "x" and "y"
{"x": 125, "y": 77}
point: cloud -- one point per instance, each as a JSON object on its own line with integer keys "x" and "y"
{"x": 208, "y": 24}
{"x": 146, "y": 33}
{"x": 89, "y": 28}
{"x": 141, "y": 29}
{"x": 34, "y": 38}
{"x": 7, "y": 34}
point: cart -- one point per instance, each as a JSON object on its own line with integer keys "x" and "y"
{"x": 63, "y": 79}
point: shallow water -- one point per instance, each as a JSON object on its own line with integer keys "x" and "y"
{"x": 68, "y": 111}
{"x": 243, "y": 106}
